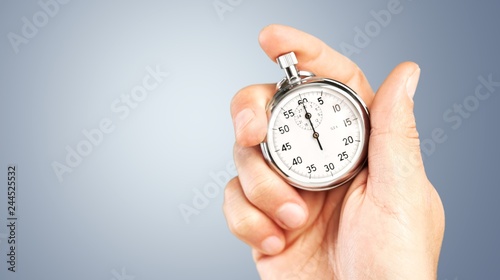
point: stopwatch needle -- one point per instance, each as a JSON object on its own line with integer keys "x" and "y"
{"x": 315, "y": 134}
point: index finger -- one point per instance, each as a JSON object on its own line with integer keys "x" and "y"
{"x": 315, "y": 56}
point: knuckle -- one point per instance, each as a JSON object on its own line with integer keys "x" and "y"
{"x": 231, "y": 187}
{"x": 257, "y": 96}
{"x": 239, "y": 151}
{"x": 244, "y": 225}
{"x": 241, "y": 97}
{"x": 404, "y": 128}
{"x": 356, "y": 77}
{"x": 260, "y": 189}
{"x": 230, "y": 192}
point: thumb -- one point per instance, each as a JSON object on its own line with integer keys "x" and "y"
{"x": 394, "y": 151}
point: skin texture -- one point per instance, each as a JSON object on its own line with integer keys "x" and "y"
{"x": 387, "y": 223}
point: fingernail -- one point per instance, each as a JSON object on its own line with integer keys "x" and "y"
{"x": 291, "y": 215}
{"x": 272, "y": 245}
{"x": 242, "y": 119}
{"x": 412, "y": 82}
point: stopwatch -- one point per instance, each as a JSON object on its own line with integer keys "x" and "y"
{"x": 318, "y": 131}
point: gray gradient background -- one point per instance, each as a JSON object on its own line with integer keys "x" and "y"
{"x": 118, "y": 211}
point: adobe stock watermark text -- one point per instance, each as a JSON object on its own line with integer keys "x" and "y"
{"x": 32, "y": 25}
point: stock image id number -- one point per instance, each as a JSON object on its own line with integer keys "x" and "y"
{"x": 11, "y": 190}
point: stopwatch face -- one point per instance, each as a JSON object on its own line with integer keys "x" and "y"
{"x": 318, "y": 135}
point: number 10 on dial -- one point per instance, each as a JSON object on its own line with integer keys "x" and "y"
{"x": 318, "y": 129}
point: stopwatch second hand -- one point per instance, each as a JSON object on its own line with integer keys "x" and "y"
{"x": 315, "y": 134}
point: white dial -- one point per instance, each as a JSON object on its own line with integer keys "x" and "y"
{"x": 315, "y": 135}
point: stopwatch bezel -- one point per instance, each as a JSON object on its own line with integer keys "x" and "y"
{"x": 285, "y": 89}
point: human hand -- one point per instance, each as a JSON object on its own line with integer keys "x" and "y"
{"x": 386, "y": 223}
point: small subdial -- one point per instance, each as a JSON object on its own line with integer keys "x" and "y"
{"x": 311, "y": 112}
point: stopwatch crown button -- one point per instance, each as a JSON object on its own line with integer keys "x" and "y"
{"x": 287, "y": 60}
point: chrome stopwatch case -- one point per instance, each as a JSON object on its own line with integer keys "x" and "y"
{"x": 318, "y": 130}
